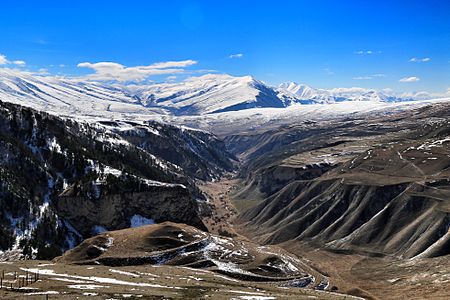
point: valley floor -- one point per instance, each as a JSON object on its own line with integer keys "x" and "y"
{"x": 381, "y": 278}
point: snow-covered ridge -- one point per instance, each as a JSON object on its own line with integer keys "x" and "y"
{"x": 207, "y": 94}
{"x": 304, "y": 94}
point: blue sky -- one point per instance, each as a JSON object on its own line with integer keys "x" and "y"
{"x": 321, "y": 43}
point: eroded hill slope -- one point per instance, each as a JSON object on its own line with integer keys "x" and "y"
{"x": 378, "y": 187}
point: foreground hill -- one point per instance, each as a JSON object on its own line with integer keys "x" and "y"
{"x": 180, "y": 245}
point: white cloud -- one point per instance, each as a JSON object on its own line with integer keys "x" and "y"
{"x": 367, "y": 52}
{"x": 19, "y": 63}
{"x": 410, "y": 79}
{"x": 237, "y": 55}
{"x": 423, "y": 95}
{"x": 61, "y": 65}
{"x": 172, "y": 64}
{"x": 3, "y": 60}
{"x": 118, "y": 72}
{"x": 415, "y": 59}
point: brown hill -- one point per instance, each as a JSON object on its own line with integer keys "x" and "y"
{"x": 182, "y": 245}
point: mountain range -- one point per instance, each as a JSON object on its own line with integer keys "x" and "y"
{"x": 207, "y": 94}
{"x": 304, "y": 94}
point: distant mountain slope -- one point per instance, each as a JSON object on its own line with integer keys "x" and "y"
{"x": 207, "y": 94}
{"x": 63, "y": 180}
{"x": 67, "y": 96}
{"x": 195, "y": 96}
{"x": 301, "y": 93}
{"x": 210, "y": 94}
{"x": 196, "y": 153}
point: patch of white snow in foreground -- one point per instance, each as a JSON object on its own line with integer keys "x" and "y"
{"x": 124, "y": 273}
{"x": 86, "y": 286}
{"x": 98, "y": 279}
{"x": 42, "y": 293}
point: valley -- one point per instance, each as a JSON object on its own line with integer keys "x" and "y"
{"x": 225, "y": 150}
{"x": 330, "y": 200}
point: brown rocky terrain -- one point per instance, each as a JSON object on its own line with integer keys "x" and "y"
{"x": 168, "y": 260}
{"x": 361, "y": 199}
{"x": 61, "y": 281}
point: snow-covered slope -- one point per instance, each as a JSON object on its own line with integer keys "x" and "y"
{"x": 292, "y": 92}
{"x": 301, "y": 91}
{"x": 195, "y": 96}
{"x": 66, "y": 96}
{"x": 209, "y": 94}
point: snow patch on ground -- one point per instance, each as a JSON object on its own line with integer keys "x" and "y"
{"x": 94, "y": 279}
{"x": 86, "y": 286}
{"x": 124, "y": 273}
{"x": 42, "y": 293}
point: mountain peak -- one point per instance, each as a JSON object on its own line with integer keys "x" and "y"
{"x": 206, "y": 94}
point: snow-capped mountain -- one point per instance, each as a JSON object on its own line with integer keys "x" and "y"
{"x": 301, "y": 91}
{"x": 67, "y": 96}
{"x": 292, "y": 92}
{"x": 207, "y": 94}
{"x": 194, "y": 96}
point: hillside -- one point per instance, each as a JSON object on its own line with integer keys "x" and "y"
{"x": 377, "y": 187}
{"x": 63, "y": 180}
